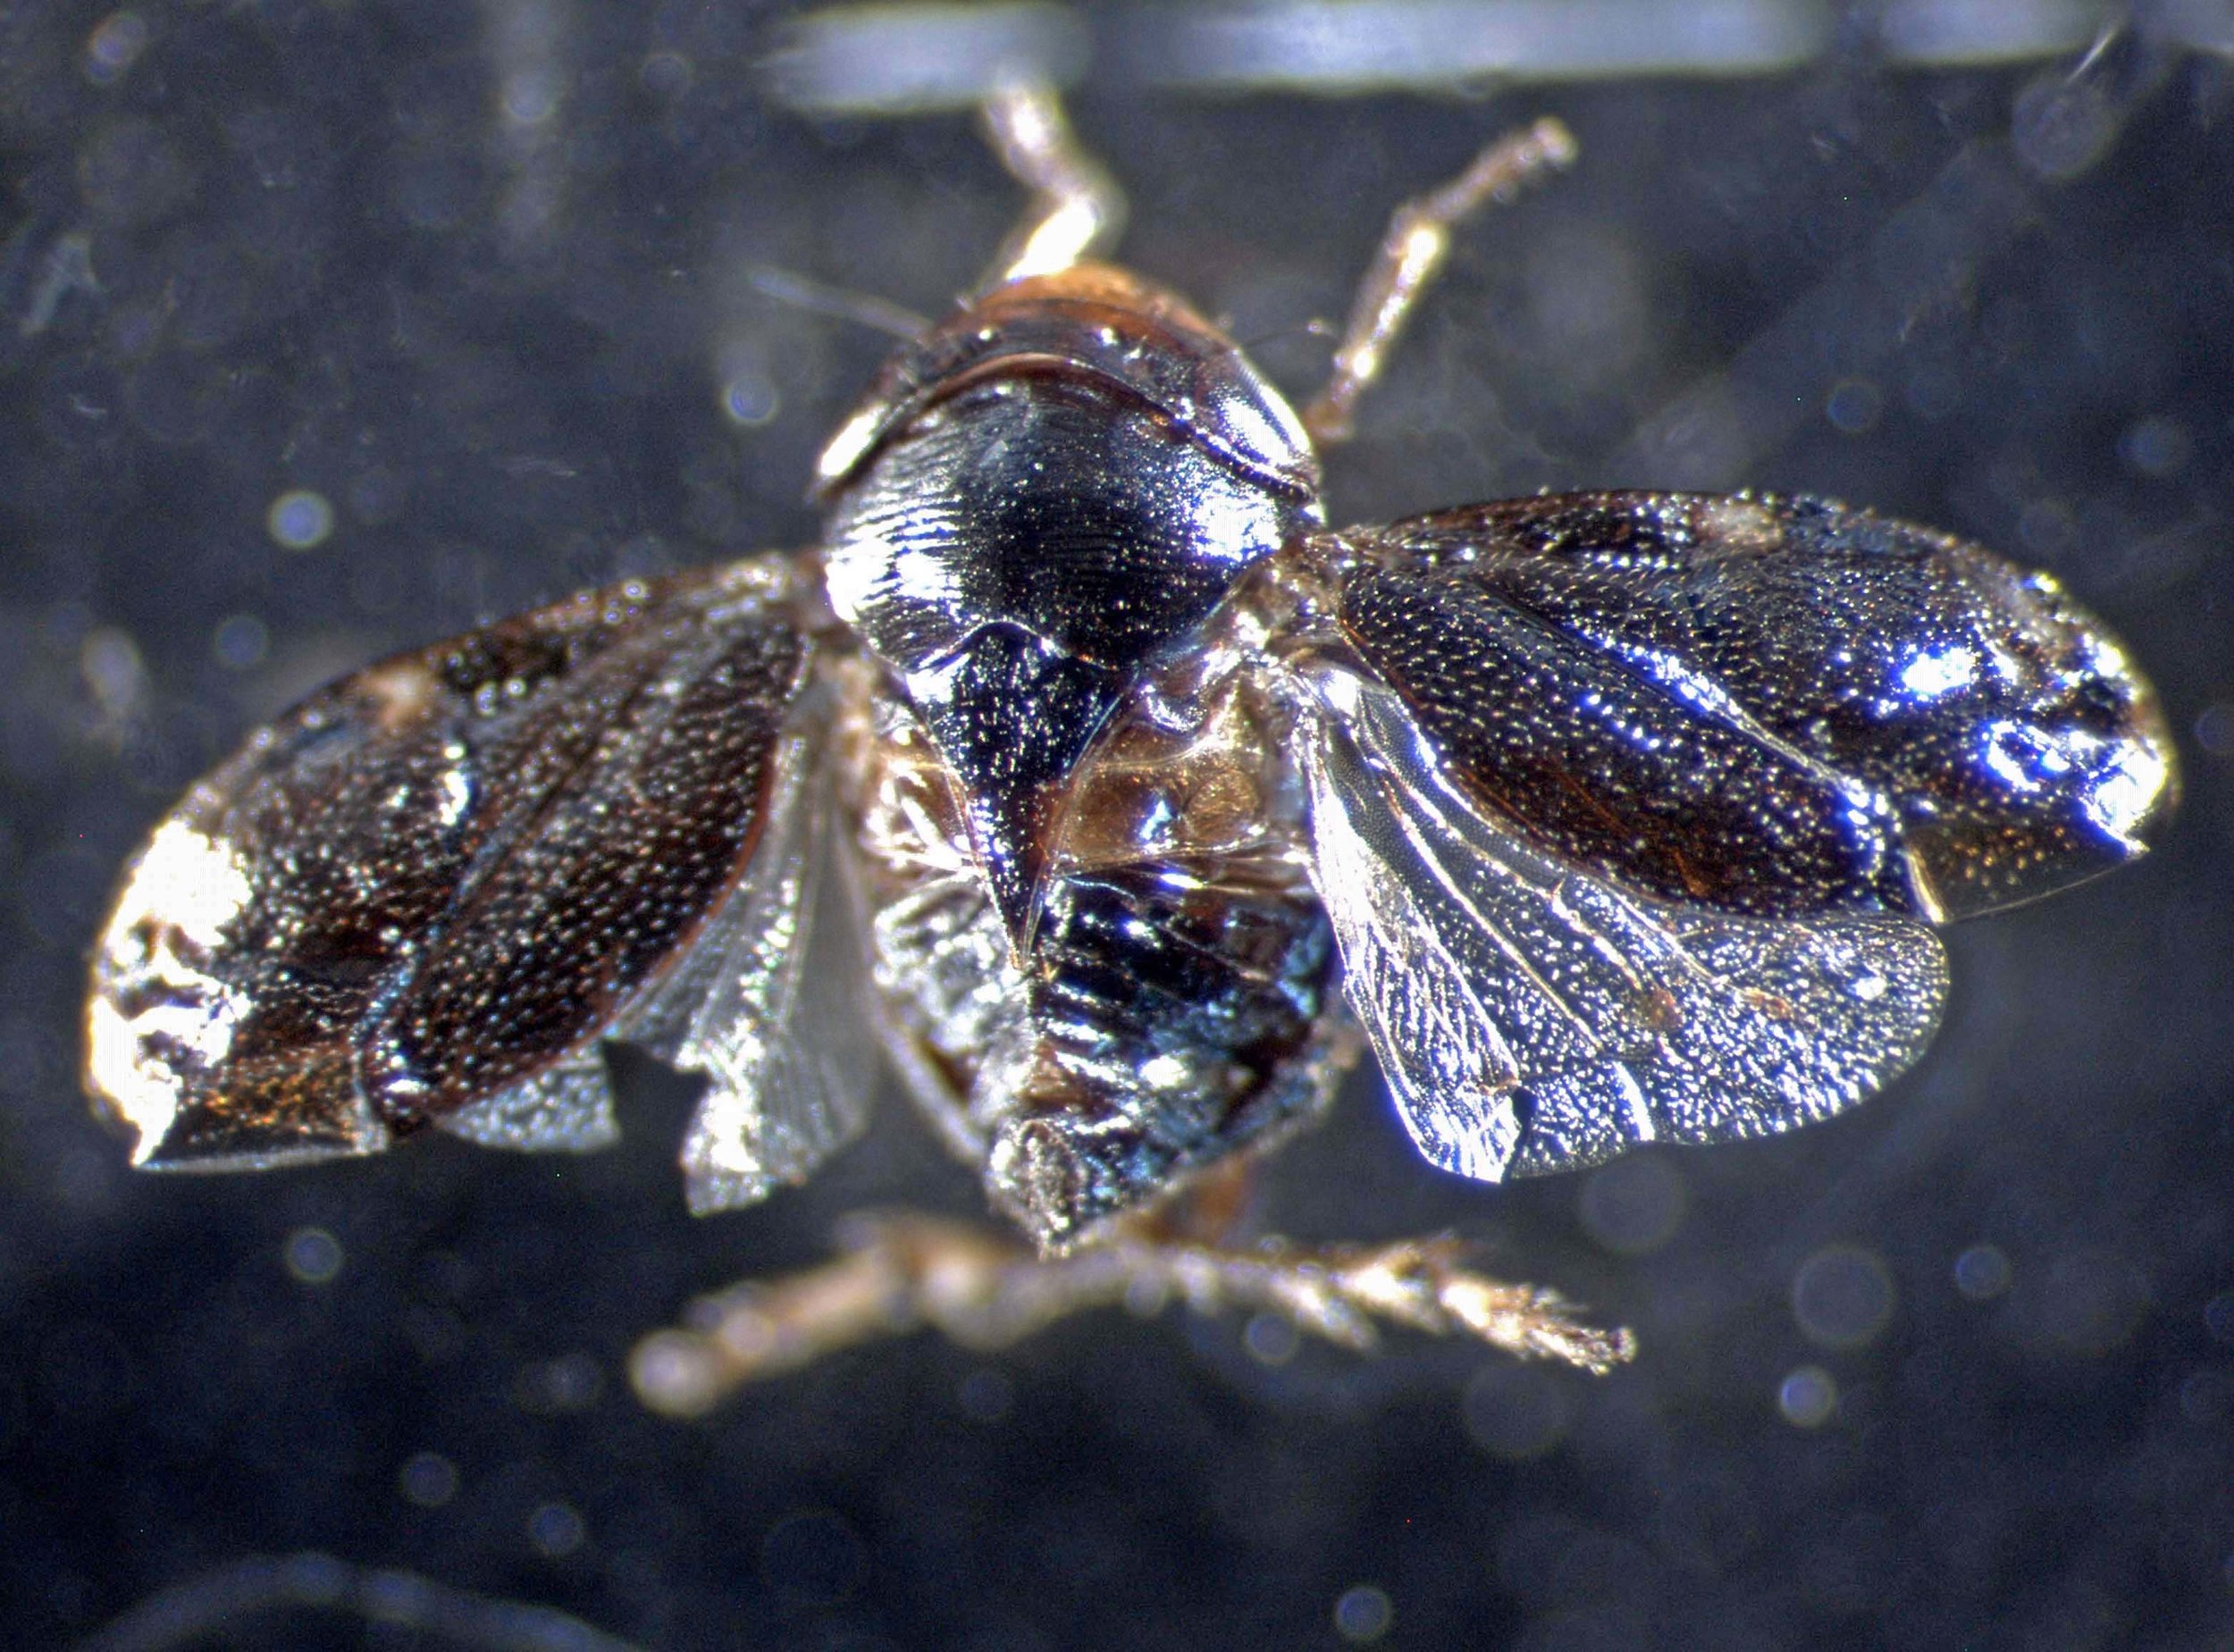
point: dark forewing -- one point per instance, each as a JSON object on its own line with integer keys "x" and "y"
{"x": 424, "y": 895}
{"x": 1532, "y": 1016}
{"x": 1767, "y": 705}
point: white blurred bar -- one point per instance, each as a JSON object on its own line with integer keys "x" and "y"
{"x": 1955, "y": 32}
{"x": 1359, "y": 46}
{"x": 2203, "y": 25}
{"x": 916, "y": 59}
{"x": 909, "y": 59}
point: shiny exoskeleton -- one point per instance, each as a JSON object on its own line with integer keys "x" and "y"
{"x": 1035, "y": 522}
{"x": 1118, "y": 791}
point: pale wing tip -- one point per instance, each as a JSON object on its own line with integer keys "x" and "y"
{"x": 177, "y": 1125}
{"x": 200, "y": 1139}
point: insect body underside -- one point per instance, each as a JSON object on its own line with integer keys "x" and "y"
{"x": 1178, "y": 1001}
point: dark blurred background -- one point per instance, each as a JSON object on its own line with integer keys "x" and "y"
{"x": 325, "y": 330}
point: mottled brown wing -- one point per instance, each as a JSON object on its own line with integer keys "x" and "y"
{"x": 425, "y": 893}
{"x": 1773, "y": 705}
{"x": 1628, "y": 809}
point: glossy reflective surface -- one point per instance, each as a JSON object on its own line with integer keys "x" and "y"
{"x": 1624, "y": 813}
{"x": 2041, "y": 1196}
{"x": 1768, "y": 704}
{"x": 427, "y": 894}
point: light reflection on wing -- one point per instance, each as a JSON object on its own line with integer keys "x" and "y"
{"x": 1531, "y": 1018}
{"x": 426, "y": 894}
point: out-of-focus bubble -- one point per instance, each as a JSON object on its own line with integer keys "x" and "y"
{"x": 550, "y": 1388}
{"x": 427, "y": 1479}
{"x": 2049, "y": 529}
{"x": 1854, "y": 406}
{"x": 115, "y": 46}
{"x": 2156, "y": 445}
{"x": 2090, "y": 1301}
{"x": 1982, "y": 1272}
{"x": 313, "y": 1255}
{"x": 750, "y": 399}
{"x": 1270, "y": 1337}
{"x": 2214, "y": 729}
{"x": 299, "y": 519}
{"x": 666, "y": 74}
{"x": 240, "y": 642}
{"x": 532, "y": 95}
{"x": 109, "y": 663}
{"x": 2206, "y": 1397}
{"x": 1934, "y": 391}
{"x": 375, "y": 494}
{"x": 1807, "y": 1397}
{"x": 556, "y": 1530}
{"x": 1363, "y": 1615}
{"x": 988, "y": 1395}
{"x": 1842, "y": 1296}
{"x": 2218, "y": 1317}
{"x": 1634, "y": 1205}
{"x": 1516, "y": 1412}
{"x": 2061, "y": 126}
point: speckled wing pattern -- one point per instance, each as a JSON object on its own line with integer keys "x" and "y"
{"x": 1532, "y": 1016}
{"x": 427, "y": 894}
{"x": 1632, "y": 810}
{"x": 1763, "y": 703}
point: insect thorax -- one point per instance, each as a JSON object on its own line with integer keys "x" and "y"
{"x": 1091, "y": 918}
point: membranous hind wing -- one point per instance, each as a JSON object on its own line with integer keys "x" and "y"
{"x": 427, "y": 894}
{"x": 1630, "y": 809}
{"x": 1532, "y": 1016}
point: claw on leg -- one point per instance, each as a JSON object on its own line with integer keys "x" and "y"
{"x": 897, "y": 1273}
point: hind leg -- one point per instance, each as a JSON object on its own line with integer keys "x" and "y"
{"x": 901, "y": 1272}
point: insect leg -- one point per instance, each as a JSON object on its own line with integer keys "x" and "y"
{"x": 1077, "y": 209}
{"x": 901, "y": 1272}
{"x": 1411, "y": 256}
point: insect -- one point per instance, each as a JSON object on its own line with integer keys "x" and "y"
{"x": 1121, "y": 795}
